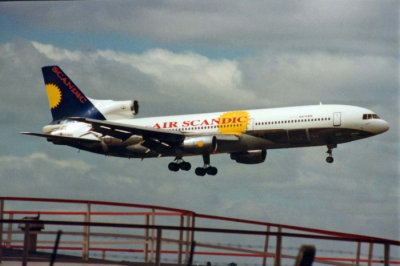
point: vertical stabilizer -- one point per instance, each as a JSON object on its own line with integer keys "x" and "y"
{"x": 65, "y": 98}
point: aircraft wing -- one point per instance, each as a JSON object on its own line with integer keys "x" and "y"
{"x": 62, "y": 139}
{"x": 124, "y": 131}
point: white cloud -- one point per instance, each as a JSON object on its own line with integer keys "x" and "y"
{"x": 369, "y": 26}
{"x": 182, "y": 70}
{"x": 187, "y": 76}
{"x": 56, "y": 53}
{"x": 35, "y": 159}
{"x": 330, "y": 78}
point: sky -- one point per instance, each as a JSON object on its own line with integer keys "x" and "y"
{"x": 178, "y": 57}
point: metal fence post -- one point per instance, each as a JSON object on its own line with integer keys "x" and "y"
{"x": 153, "y": 222}
{"x": 86, "y": 233}
{"x": 26, "y": 245}
{"x": 55, "y": 249}
{"x": 9, "y": 232}
{"x": 278, "y": 248}
{"x": 146, "y": 240}
{"x": 158, "y": 247}
{"x": 266, "y": 243}
{"x": 358, "y": 253}
{"x": 187, "y": 251}
{"x": 370, "y": 253}
{"x": 1, "y": 229}
{"x": 180, "y": 244}
{"x": 387, "y": 254}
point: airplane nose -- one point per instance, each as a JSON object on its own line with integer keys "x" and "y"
{"x": 380, "y": 126}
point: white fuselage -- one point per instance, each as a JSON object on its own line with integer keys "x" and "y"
{"x": 259, "y": 129}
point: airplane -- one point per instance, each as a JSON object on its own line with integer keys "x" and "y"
{"x": 109, "y": 127}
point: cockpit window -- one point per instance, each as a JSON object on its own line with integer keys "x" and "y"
{"x": 370, "y": 116}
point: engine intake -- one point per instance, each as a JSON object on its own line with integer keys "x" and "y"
{"x": 250, "y": 157}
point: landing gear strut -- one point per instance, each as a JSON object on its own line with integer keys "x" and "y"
{"x": 207, "y": 168}
{"x": 179, "y": 164}
{"x": 330, "y": 159}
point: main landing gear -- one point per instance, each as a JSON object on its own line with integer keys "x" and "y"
{"x": 330, "y": 159}
{"x": 207, "y": 168}
{"x": 180, "y": 164}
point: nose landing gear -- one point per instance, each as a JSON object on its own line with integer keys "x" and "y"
{"x": 330, "y": 159}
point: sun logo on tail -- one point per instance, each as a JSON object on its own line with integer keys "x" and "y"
{"x": 54, "y": 95}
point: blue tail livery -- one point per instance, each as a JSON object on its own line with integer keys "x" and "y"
{"x": 65, "y": 98}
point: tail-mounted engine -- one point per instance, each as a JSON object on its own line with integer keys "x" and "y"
{"x": 249, "y": 157}
{"x": 113, "y": 110}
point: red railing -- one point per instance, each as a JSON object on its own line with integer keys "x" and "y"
{"x": 188, "y": 234}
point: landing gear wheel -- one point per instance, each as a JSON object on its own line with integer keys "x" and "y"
{"x": 185, "y": 166}
{"x": 174, "y": 167}
{"x": 329, "y": 159}
{"x": 179, "y": 164}
{"x": 200, "y": 171}
{"x": 212, "y": 170}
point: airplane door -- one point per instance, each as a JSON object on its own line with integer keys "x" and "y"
{"x": 337, "y": 119}
{"x": 251, "y": 125}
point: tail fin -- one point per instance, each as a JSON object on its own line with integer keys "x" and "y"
{"x": 65, "y": 98}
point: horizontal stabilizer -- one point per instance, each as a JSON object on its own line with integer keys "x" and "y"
{"x": 63, "y": 140}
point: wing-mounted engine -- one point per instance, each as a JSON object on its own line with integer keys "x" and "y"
{"x": 199, "y": 144}
{"x": 114, "y": 110}
{"x": 249, "y": 157}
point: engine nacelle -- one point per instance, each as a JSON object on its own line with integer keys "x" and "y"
{"x": 200, "y": 144}
{"x": 249, "y": 157}
{"x": 113, "y": 110}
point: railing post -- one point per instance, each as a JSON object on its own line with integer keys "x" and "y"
{"x": 9, "y": 231}
{"x": 146, "y": 240}
{"x": 55, "y": 249}
{"x": 158, "y": 247}
{"x": 370, "y": 253}
{"x": 26, "y": 245}
{"x": 187, "y": 251}
{"x": 358, "y": 255}
{"x": 387, "y": 254}
{"x": 266, "y": 243}
{"x": 193, "y": 226}
{"x": 190, "y": 236}
{"x": 278, "y": 248}
{"x": 1, "y": 228}
{"x": 180, "y": 244}
{"x": 190, "y": 262}
{"x": 153, "y": 222}
{"x": 86, "y": 233}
